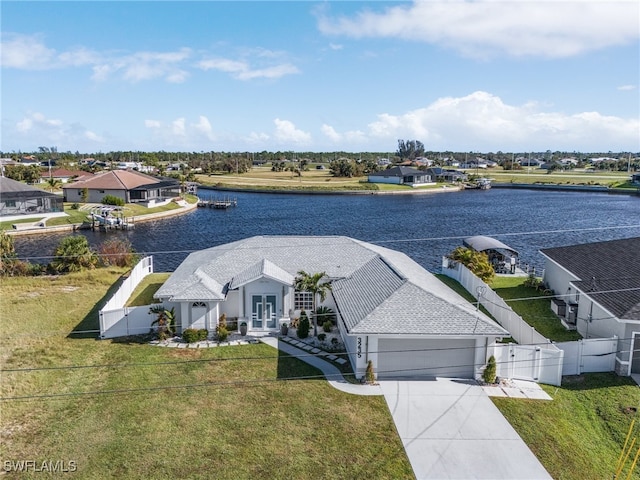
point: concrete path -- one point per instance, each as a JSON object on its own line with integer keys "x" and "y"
{"x": 331, "y": 372}
{"x": 450, "y": 429}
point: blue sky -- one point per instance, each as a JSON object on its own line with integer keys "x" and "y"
{"x": 321, "y": 76}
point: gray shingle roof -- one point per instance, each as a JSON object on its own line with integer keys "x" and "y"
{"x": 611, "y": 267}
{"x": 376, "y": 290}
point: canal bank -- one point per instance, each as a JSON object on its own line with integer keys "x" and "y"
{"x": 185, "y": 207}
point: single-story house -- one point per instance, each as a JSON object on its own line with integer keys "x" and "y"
{"x": 17, "y": 198}
{"x": 129, "y": 185}
{"x": 401, "y": 176}
{"x": 64, "y": 175}
{"x": 597, "y": 291}
{"x": 389, "y": 309}
{"x": 446, "y": 175}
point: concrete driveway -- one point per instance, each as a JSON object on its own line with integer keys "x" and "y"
{"x": 450, "y": 429}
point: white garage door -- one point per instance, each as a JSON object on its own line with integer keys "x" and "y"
{"x": 419, "y": 357}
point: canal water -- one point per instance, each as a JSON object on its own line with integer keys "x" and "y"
{"x": 424, "y": 226}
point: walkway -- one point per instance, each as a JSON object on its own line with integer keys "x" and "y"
{"x": 331, "y": 372}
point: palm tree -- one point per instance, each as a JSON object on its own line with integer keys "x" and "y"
{"x": 305, "y": 282}
{"x": 54, "y": 183}
{"x": 165, "y": 319}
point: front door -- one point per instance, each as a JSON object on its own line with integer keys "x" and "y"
{"x": 263, "y": 312}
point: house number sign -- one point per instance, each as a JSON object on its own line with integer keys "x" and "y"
{"x": 359, "y": 349}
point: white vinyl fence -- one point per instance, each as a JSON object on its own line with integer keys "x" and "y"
{"x": 589, "y": 355}
{"x": 116, "y": 320}
{"x": 536, "y": 357}
{"x": 529, "y": 362}
{"x": 520, "y": 330}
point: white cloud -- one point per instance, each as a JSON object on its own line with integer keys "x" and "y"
{"x": 25, "y": 52}
{"x": 482, "y": 121}
{"x": 38, "y": 129}
{"x": 484, "y": 28}
{"x": 178, "y": 127}
{"x": 286, "y": 132}
{"x": 241, "y": 70}
{"x": 335, "y": 46}
{"x": 352, "y": 137}
{"x": 626, "y": 88}
{"x": 152, "y": 124}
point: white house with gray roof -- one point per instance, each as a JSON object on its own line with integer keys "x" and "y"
{"x": 389, "y": 309}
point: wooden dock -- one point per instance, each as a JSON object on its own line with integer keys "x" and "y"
{"x": 220, "y": 204}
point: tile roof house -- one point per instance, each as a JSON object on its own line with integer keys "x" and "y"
{"x": 597, "y": 287}
{"x": 64, "y": 175}
{"x": 401, "y": 176}
{"x": 390, "y": 310}
{"x": 129, "y": 185}
{"x": 18, "y": 199}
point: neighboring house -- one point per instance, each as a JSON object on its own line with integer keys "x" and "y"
{"x": 401, "y": 176}
{"x": 446, "y": 175}
{"x": 64, "y": 175}
{"x": 597, "y": 288}
{"x": 17, "y": 198}
{"x": 389, "y": 309}
{"x": 129, "y": 185}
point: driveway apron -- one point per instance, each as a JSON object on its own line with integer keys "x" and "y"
{"x": 450, "y": 429}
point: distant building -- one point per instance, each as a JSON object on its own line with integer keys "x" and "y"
{"x": 401, "y": 176}
{"x": 129, "y": 185}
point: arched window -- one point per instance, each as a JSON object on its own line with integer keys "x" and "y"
{"x": 199, "y": 304}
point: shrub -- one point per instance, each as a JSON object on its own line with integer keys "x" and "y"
{"x": 489, "y": 374}
{"x": 222, "y": 333}
{"x": 326, "y": 326}
{"x": 112, "y": 200}
{"x": 74, "y": 254}
{"x": 222, "y": 321}
{"x": 334, "y": 341}
{"x": 324, "y": 313}
{"x": 75, "y": 206}
{"x": 191, "y": 335}
{"x": 118, "y": 252}
{"x": 370, "y": 375}
{"x": 322, "y": 336}
{"x": 303, "y": 326}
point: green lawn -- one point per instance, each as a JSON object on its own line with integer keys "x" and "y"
{"x": 143, "y": 294}
{"x": 579, "y": 435}
{"x": 224, "y": 413}
{"x": 536, "y": 313}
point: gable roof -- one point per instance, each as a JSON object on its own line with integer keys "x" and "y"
{"x": 376, "y": 290}
{"x": 398, "y": 172}
{"x": 114, "y": 180}
{"x": 607, "y": 271}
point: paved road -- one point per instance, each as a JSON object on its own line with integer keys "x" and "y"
{"x": 450, "y": 429}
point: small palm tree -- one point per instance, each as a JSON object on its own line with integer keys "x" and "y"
{"x": 165, "y": 319}
{"x": 53, "y": 184}
{"x": 305, "y": 282}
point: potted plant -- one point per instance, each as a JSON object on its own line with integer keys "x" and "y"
{"x": 243, "y": 328}
{"x": 284, "y": 329}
